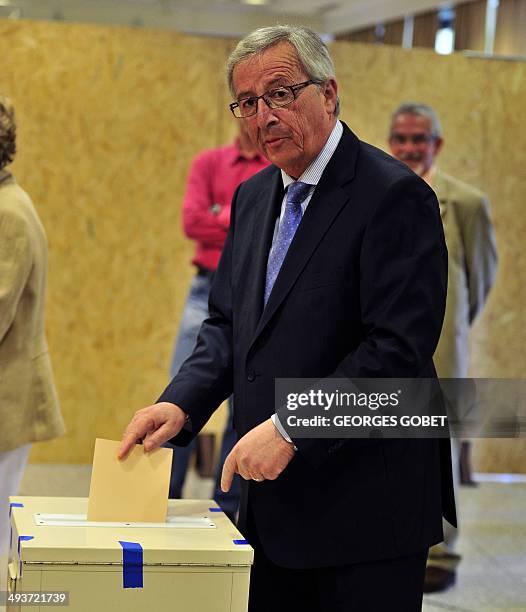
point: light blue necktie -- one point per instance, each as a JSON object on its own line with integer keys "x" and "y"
{"x": 296, "y": 194}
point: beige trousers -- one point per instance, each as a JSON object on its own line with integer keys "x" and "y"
{"x": 443, "y": 555}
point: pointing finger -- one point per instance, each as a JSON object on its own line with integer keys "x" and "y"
{"x": 228, "y": 473}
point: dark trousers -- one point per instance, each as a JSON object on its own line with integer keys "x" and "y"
{"x": 391, "y": 585}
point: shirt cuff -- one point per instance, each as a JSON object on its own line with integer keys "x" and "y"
{"x": 277, "y": 424}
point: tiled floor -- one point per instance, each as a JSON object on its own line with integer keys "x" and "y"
{"x": 492, "y": 542}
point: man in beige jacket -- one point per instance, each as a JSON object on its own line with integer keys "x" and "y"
{"x": 28, "y": 401}
{"x": 416, "y": 139}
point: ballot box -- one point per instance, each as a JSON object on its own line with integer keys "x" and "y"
{"x": 196, "y": 561}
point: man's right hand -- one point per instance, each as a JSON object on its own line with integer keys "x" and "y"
{"x": 154, "y": 425}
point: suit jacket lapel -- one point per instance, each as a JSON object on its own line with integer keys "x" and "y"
{"x": 327, "y": 200}
{"x": 266, "y": 211}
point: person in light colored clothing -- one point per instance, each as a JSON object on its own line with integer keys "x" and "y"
{"x": 416, "y": 139}
{"x": 29, "y": 409}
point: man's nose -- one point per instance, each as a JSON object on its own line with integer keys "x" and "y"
{"x": 407, "y": 147}
{"x": 265, "y": 115}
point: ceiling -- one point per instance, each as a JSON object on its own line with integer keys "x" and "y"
{"x": 222, "y": 17}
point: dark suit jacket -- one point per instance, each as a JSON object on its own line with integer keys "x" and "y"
{"x": 361, "y": 294}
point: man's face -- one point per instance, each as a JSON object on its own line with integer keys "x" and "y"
{"x": 412, "y": 142}
{"x": 290, "y": 137}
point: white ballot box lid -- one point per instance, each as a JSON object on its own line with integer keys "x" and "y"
{"x": 55, "y": 530}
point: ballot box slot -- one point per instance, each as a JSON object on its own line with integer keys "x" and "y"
{"x": 80, "y": 520}
{"x": 119, "y": 564}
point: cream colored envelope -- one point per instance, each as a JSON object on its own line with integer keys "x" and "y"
{"x": 132, "y": 490}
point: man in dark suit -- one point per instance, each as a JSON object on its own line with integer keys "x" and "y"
{"x": 334, "y": 266}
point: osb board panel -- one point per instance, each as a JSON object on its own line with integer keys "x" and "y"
{"x": 105, "y": 142}
{"x": 480, "y": 103}
{"x": 109, "y": 120}
{"x": 499, "y": 338}
{"x": 228, "y": 125}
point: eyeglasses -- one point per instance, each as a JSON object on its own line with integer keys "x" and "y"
{"x": 416, "y": 139}
{"x": 274, "y": 98}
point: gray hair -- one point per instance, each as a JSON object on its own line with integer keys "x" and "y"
{"x": 312, "y": 52}
{"x": 7, "y": 131}
{"x": 421, "y": 110}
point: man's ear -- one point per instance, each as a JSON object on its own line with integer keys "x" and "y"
{"x": 438, "y": 145}
{"x": 330, "y": 91}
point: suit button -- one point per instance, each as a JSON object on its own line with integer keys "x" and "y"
{"x": 251, "y": 376}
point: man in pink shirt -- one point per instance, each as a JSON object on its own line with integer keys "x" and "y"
{"x": 213, "y": 178}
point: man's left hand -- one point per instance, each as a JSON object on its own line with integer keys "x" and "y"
{"x": 261, "y": 454}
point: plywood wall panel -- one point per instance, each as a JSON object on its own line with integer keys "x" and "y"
{"x": 109, "y": 120}
{"x": 498, "y": 341}
{"x": 480, "y": 104}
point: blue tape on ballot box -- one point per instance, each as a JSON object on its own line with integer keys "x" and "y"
{"x": 23, "y": 538}
{"x": 132, "y": 561}
{"x": 14, "y": 505}
{"x": 11, "y": 506}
